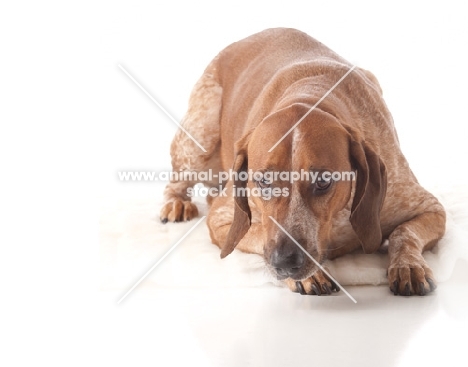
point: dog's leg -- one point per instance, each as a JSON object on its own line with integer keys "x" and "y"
{"x": 202, "y": 122}
{"x": 408, "y": 272}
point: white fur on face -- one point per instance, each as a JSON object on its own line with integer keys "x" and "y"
{"x": 300, "y": 221}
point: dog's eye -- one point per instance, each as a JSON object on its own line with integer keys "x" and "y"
{"x": 321, "y": 186}
{"x": 265, "y": 188}
{"x": 263, "y": 183}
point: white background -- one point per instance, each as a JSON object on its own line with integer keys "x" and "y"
{"x": 71, "y": 119}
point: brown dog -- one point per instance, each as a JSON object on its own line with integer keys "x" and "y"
{"x": 247, "y": 100}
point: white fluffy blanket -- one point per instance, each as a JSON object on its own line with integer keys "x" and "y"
{"x": 133, "y": 239}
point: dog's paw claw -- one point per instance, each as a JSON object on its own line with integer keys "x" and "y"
{"x": 316, "y": 290}
{"x": 408, "y": 278}
{"x": 300, "y": 288}
{"x": 327, "y": 289}
{"x": 407, "y": 291}
{"x": 318, "y": 284}
{"x": 335, "y": 287}
{"x": 421, "y": 290}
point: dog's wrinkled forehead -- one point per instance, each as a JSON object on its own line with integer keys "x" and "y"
{"x": 318, "y": 141}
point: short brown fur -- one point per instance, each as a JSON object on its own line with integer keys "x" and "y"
{"x": 247, "y": 98}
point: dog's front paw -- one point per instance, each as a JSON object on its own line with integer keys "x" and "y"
{"x": 178, "y": 210}
{"x": 318, "y": 284}
{"x": 409, "y": 274}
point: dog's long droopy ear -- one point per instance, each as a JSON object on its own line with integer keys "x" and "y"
{"x": 371, "y": 187}
{"x": 242, "y": 214}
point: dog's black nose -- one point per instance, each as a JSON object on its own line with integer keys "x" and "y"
{"x": 287, "y": 259}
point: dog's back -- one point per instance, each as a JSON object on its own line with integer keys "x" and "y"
{"x": 276, "y": 67}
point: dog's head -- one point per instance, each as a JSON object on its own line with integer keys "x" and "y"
{"x": 302, "y": 211}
